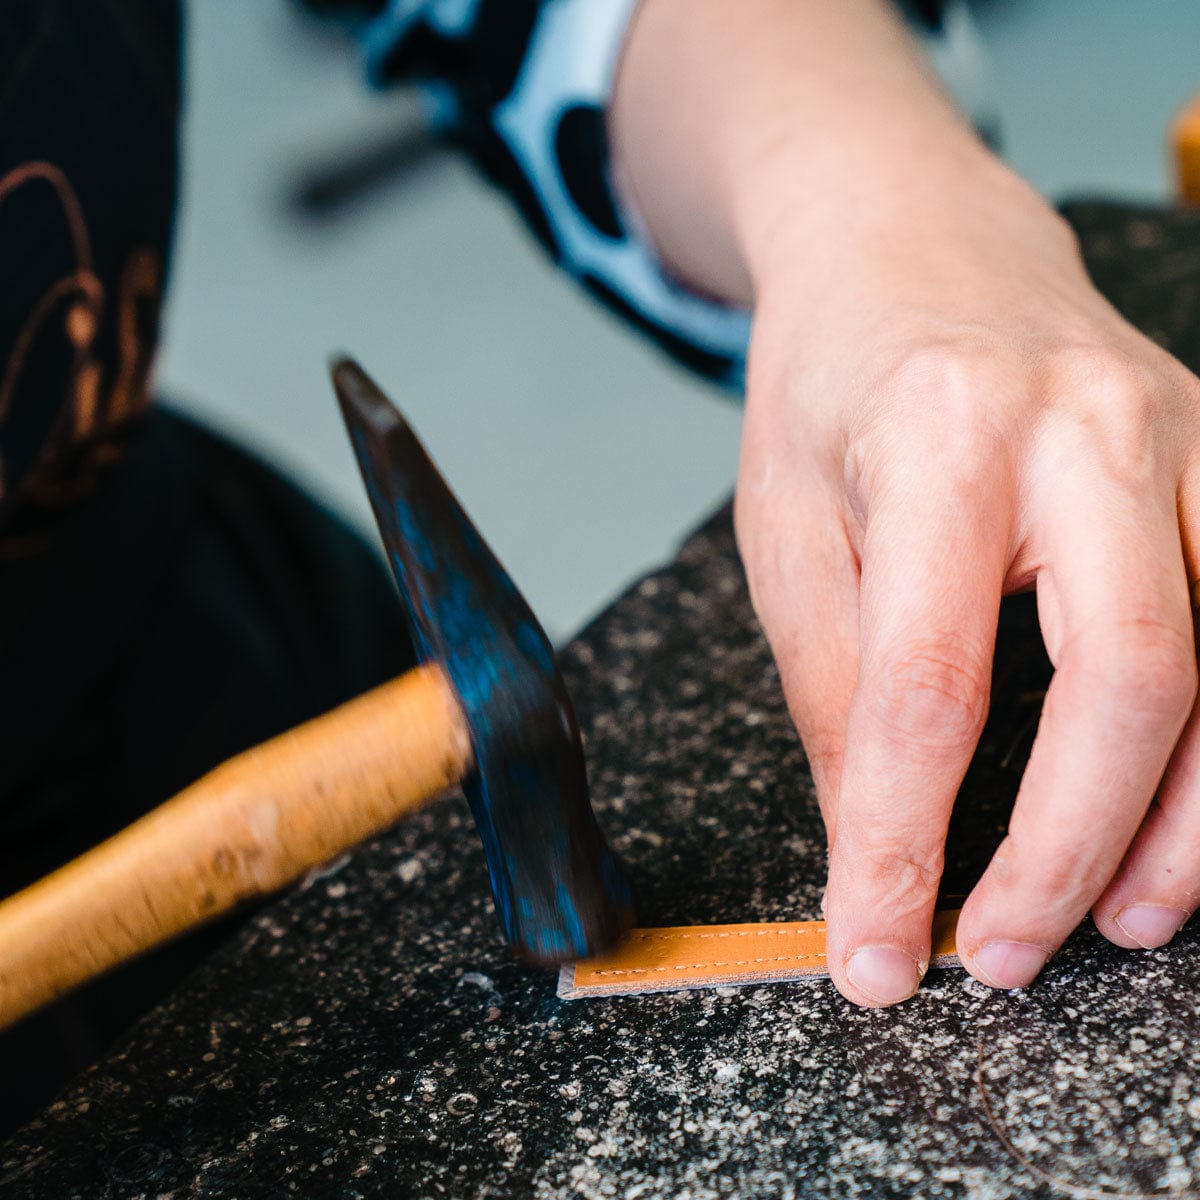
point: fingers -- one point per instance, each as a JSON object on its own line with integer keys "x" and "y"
{"x": 1155, "y": 891}
{"x": 1157, "y": 886}
{"x": 936, "y": 551}
{"x": 887, "y": 670}
{"x": 1117, "y": 620}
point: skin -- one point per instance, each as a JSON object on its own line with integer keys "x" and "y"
{"x": 941, "y": 409}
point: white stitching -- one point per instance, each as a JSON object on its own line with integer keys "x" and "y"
{"x": 738, "y": 962}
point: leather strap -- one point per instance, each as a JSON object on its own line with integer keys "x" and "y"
{"x": 701, "y": 956}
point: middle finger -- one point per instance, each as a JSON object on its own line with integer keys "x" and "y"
{"x": 1114, "y": 606}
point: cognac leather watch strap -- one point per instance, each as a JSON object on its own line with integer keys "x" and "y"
{"x": 701, "y": 956}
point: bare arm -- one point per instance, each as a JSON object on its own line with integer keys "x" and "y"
{"x": 740, "y": 126}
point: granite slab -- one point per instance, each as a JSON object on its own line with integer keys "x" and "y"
{"x": 368, "y": 1035}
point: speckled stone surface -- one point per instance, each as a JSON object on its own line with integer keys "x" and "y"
{"x": 369, "y": 1036}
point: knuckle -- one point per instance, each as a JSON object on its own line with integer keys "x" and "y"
{"x": 938, "y": 406}
{"x": 1149, "y": 665}
{"x": 1126, "y": 401}
{"x": 1053, "y": 876}
{"x": 949, "y": 368}
{"x": 1101, "y": 370}
{"x": 825, "y": 753}
{"x": 890, "y": 863}
{"x": 1117, "y": 372}
{"x": 934, "y": 696}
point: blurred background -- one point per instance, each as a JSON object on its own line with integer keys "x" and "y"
{"x": 315, "y": 221}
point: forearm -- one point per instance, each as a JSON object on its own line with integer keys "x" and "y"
{"x": 740, "y": 131}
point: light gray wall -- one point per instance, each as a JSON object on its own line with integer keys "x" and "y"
{"x": 1087, "y": 89}
{"x": 582, "y": 454}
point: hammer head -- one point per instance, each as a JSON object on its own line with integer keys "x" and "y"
{"x": 560, "y": 892}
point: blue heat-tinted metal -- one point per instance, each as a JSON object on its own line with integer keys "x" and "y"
{"x": 560, "y": 893}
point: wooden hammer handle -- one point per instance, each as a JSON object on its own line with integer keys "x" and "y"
{"x": 249, "y": 827}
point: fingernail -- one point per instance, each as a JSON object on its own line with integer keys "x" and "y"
{"x": 884, "y": 973}
{"x": 1149, "y": 925}
{"x": 1010, "y": 964}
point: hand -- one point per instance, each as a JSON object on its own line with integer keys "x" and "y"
{"x": 962, "y": 416}
{"x": 940, "y": 409}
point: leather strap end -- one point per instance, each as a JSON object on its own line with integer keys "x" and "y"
{"x": 680, "y": 958}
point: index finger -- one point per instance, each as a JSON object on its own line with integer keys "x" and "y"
{"x": 934, "y": 564}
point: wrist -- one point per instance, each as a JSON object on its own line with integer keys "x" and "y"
{"x": 798, "y": 202}
{"x": 817, "y": 226}
{"x": 730, "y": 124}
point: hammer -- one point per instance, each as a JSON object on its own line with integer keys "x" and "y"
{"x": 486, "y": 710}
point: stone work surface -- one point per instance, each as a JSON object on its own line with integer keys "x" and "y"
{"x": 369, "y": 1036}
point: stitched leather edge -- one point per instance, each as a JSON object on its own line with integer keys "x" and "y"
{"x": 682, "y": 957}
